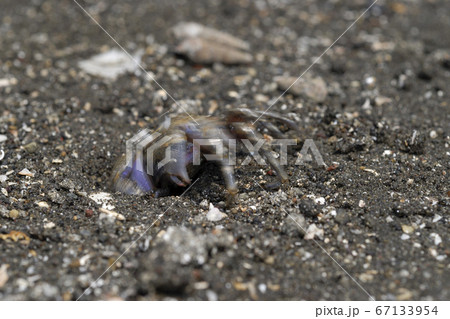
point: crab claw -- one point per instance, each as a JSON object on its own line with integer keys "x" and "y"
{"x": 131, "y": 178}
{"x": 176, "y": 180}
{"x": 174, "y": 165}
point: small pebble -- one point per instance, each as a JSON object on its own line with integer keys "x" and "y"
{"x": 201, "y": 285}
{"x": 366, "y": 277}
{"x": 211, "y": 295}
{"x": 262, "y": 288}
{"x": 370, "y": 81}
{"x": 43, "y": 204}
{"x": 437, "y": 239}
{"x": 269, "y": 260}
{"x": 312, "y": 88}
{"x": 404, "y": 294}
{"x": 5, "y": 82}
{"x": 320, "y": 200}
{"x": 204, "y": 204}
{"x": 14, "y": 214}
{"x": 3, "y": 274}
{"x": 294, "y": 224}
{"x": 50, "y": 225}
{"x": 243, "y": 196}
{"x": 407, "y": 229}
{"x": 89, "y": 213}
{"x": 31, "y": 147}
{"x": 381, "y": 100}
{"x": 314, "y": 231}
{"x": 433, "y": 134}
{"x": 404, "y": 273}
{"x": 404, "y": 237}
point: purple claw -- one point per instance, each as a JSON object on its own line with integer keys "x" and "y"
{"x": 132, "y": 179}
{"x": 140, "y": 177}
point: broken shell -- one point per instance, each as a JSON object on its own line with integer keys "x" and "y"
{"x": 111, "y": 64}
{"x": 205, "y": 52}
{"x": 50, "y": 225}
{"x": 111, "y": 214}
{"x": 185, "y": 30}
{"x": 313, "y": 88}
{"x": 43, "y": 204}
{"x": 26, "y": 172}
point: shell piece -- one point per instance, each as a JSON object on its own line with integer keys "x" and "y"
{"x": 111, "y": 64}
{"x": 312, "y": 88}
{"x": 184, "y": 30}
{"x": 204, "y": 52}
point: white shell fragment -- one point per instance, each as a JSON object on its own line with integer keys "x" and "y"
{"x": 214, "y": 214}
{"x": 43, "y": 204}
{"x": 313, "y": 231}
{"x": 105, "y": 213}
{"x": 185, "y": 30}
{"x": 26, "y": 172}
{"x": 5, "y": 82}
{"x": 104, "y": 199}
{"x": 3, "y": 274}
{"x": 50, "y": 225}
{"x": 110, "y": 64}
{"x": 312, "y": 88}
{"x": 436, "y": 238}
{"x": 206, "y": 45}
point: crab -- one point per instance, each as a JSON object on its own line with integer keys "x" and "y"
{"x": 165, "y": 159}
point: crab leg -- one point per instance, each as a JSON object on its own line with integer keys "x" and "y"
{"x": 272, "y": 129}
{"x": 242, "y": 114}
{"x": 227, "y": 169}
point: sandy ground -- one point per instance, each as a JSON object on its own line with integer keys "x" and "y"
{"x": 380, "y": 210}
